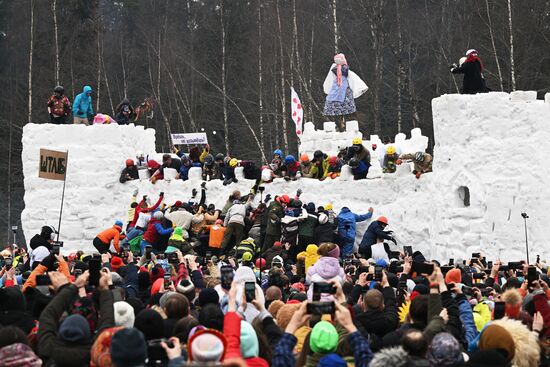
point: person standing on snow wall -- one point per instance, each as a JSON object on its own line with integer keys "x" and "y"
{"x": 342, "y": 86}
{"x": 472, "y": 68}
{"x": 83, "y": 112}
{"x": 59, "y": 106}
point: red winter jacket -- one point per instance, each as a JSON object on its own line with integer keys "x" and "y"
{"x": 154, "y": 231}
{"x": 139, "y": 209}
{"x": 232, "y": 332}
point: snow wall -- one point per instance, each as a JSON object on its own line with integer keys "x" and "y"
{"x": 493, "y": 144}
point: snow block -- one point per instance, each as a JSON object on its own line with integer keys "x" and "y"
{"x": 547, "y": 98}
{"x": 329, "y": 126}
{"x": 523, "y": 96}
{"x": 352, "y": 126}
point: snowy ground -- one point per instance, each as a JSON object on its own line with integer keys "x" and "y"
{"x": 495, "y": 144}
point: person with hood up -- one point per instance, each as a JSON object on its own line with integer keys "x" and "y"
{"x": 59, "y": 106}
{"x": 326, "y": 269}
{"x": 41, "y": 244}
{"x": 374, "y": 231}
{"x": 310, "y": 256}
{"x": 347, "y": 226}
{"x": 472, "y": 68}
{"x": 102, "y": 242}
{"x": 82, "y": 107}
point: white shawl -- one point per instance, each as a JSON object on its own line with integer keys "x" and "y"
{"x": 357, "y": 86}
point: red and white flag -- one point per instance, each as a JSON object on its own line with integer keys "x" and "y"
{"x": 297, "y": 111}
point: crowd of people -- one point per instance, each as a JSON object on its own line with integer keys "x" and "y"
{"x": 278, "y": 283}
{"x": 321, "y": 166}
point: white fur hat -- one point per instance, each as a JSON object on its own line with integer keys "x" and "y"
{"x": 124, "y": 314}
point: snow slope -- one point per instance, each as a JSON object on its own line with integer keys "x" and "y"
{"x": 495, "y": 144}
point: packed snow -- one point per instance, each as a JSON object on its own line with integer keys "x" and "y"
{"x": 494, "y": 144}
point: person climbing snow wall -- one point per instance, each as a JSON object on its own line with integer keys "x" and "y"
{"x": 342, "y": 86}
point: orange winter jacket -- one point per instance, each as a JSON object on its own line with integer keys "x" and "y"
{"x": 111, "y": 234}
{"x": 63, "y": 267}
{"x": 216, "y": 235}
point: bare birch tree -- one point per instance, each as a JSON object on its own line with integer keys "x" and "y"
{"x": 260, "y": 101}
{"x": 282, "y": 66}
{"x": 512, "y": 66}
{"x": 493, "y": 44}
{"x": 31, "y": 49}
{"x": 335, "y": 26}
{"x": 223, "y": 80}
{"x": 54, "y": 12}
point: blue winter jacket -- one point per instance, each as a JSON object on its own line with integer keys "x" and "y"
{"x": 361, "y": 168}
{"x": 375, "y": 230}
{"x": 184, "y": 170}
{"x": 82, "y": 105}
{"x": 347, "y": 223}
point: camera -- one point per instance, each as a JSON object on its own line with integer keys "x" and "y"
{"x": 322, "y": 287}
{"x": 321, "y": 308}
{"x": 155, "y": 351}
{"x": 43, "y": 279}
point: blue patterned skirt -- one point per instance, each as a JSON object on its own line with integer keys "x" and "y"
{"x": 335, "y": 108}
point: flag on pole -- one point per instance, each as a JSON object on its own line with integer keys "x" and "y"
{"x": 297, "y": 111}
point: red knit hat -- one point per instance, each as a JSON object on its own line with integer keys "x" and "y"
{"x": 261, "y": 263}
{"x": 157, "y": 285}
{"x": 453, "y": 276}
{"x": 116, "y": 263}
{"x": 277, "y": 244}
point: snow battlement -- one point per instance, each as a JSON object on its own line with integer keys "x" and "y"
{"x": 489, "y": 167}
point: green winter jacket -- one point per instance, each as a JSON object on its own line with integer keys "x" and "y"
{"x": 275, "y": 214}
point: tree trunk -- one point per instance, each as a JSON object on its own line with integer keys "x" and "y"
{"x": 260, "y": 102}
{"x": 400, "y": 70}
{"x": 512, "y": 66}
{"x": 54, "y": 11}
{"x": 98, "y": 95}
{"x": 224, "y": 84}
{"x": 493, "y": 43}
{"x": 335, "y": 26}
{"x": 124, "y": 81}
{"x": 31, "y": 49}
{"x": 282, "y": 65}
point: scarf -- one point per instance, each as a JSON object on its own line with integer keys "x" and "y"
{"x": 473, "y": 58}
{"x": 339, "y": 60}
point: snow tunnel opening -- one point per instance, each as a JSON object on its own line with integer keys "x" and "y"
{"x": 463, "y": 193}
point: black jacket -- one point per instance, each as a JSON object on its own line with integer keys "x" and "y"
{"x": 473, "y": 81}
{"x": 324, "y": 233}
{"x": 38, "y": 241}
{"x": 381, "y": 322}
{"x": 50, "y": 346}
{"x": 131, "y": 171}
{"x": 369, "y": 238}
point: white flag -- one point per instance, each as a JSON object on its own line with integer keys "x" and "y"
{"x": 297, "y": 111}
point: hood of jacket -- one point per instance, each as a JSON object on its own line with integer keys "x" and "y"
{"x": 326, "y": 267}
{"x": 86, "y": 89}
{"x": 311, "y": 250}
{"x": 250, "y": 347}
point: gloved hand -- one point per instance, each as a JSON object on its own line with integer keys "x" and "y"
{"x": 299, "y": 192}
{"x": 136, "y": 191}
{"x": 453, "y": 66}
{"x": 267, "y": 198}
{"x": 194, "y": 192}
{"x": 203, "y": 185}
{"x": 398, "y": 162}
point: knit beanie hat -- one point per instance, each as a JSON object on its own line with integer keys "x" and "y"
{"x": 124, "y": 314}
{"x": 116, "y": 263}
{"x": 18, "y": 354}
{"x": 207, "y": 346}
{"x": 75, "y": 329}
{"x": 150, "y": 323}
{"x": 453, "y": 276}
{"x": 157, "y": 285}
{"x": 332, "y": 360}
{"x": 323, "y": 338}
{"x": 277, "y": 244}
{"x": 250, "y": 347}
{"x": 128, "y": 348}
{"x": 100, "y": 354}
{"x": 335, "y": 252}
{"x": 177, "y": 235}
{"x": 445, "y": 351}
{"x": 208, "y": 295}
{"x": 497, "y": 337}
{"x": 211, "y": 316}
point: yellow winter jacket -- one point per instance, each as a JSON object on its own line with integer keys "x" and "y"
{"x": 310, "y": 255}
{"x": 482, "y": 315}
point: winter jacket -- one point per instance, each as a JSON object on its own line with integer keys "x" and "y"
{"x": 369, "y": 238}
{"x": 473, "y": 81}
{"x": 305, "y": 169}
{"x": 291, "y": 169}
{"x": 273, "y": 251}
{"x": 319, "y": 170}
{"x": 482, "y": 315}
{"x": 184, "y": 170}
{"x": 215, "y": 235}
{"x": 422, "y": 167}
{"x": 51, "y": 346}
{"x": 131, "y": 171}
{"x": 232, "y": 332}
{"x": 111, "y": 234}
{"x": 275, "y": 214}
{"x": 389, "y": 163}
{"x": 37, "y": 241}
{"x": 361, "y": 170}
{"x": 324, "y": 270}
{"x": 381, "y": 322}
{"x": 82, "y": 104}
{"x": 324, "y": 233}
{"x": 310, "y": 256}
{"x": 155, "y": 231}
{"x": 306, "y": 227}
{"x": 235, "y": 214}
{"x": 59, "y": 106}
{"x": 467, "y": 318}
{"x": 180, "y": 218}
{"x": 139, "y": 209}
{"x": 347, "y": 223}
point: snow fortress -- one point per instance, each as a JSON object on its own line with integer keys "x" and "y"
{"x": 489, "y": 167}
